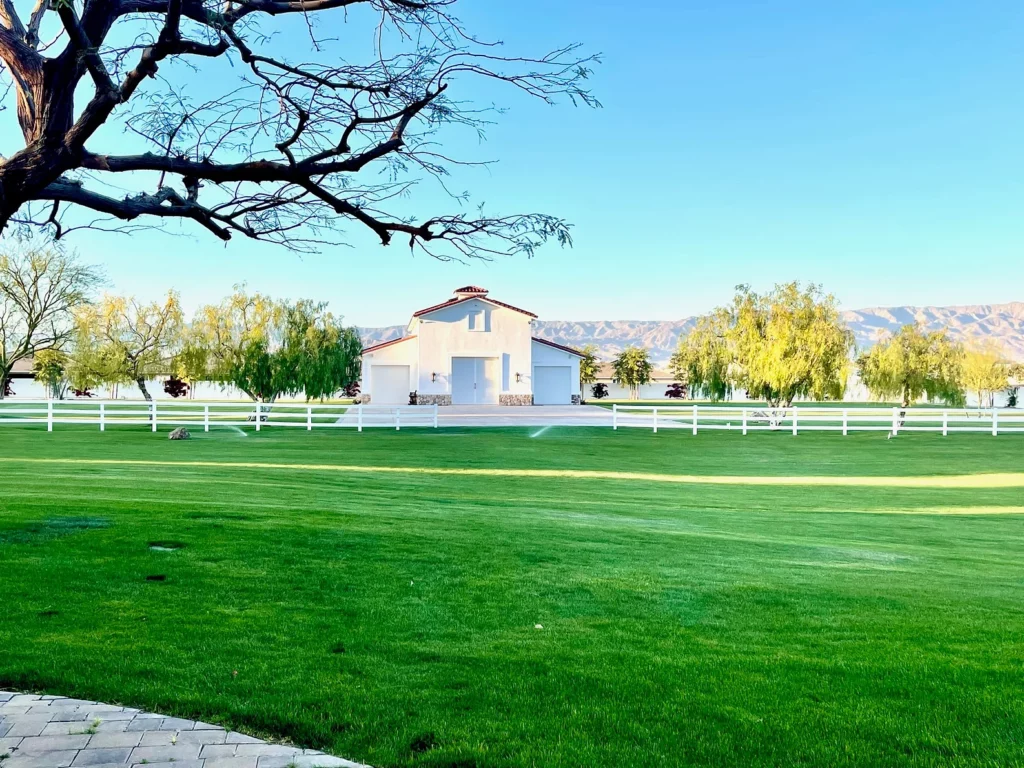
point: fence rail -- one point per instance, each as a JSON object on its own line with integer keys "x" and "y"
{"x": 258, "y": 416}
{"x": 798, "y": 419}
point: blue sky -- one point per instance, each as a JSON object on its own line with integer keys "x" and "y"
{"x": 874, "y": 147}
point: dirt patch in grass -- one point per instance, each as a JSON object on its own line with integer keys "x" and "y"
{"x": 47, "y": 530}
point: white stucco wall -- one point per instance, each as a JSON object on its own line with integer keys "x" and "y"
{"x": 208, "y": 391}
{"x": 445, "y": 334}
{"x": 653, "y": 391}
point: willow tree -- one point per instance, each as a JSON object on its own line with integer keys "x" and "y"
{"x": 268, "y": 348}
{"x": 120, "y": 340}
{"x": 274, "y": 120}
{"x": 788, "y": 343}
{"x": 912, "y": 364}
{"x": 985, "y": 371}
{"x": 702, "y": 360}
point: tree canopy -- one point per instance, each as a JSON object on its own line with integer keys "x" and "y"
{"x": 40, "y": 288}
{"x": 788, "y": 343}
{"x": 702, "y": 360}
{"x": 273, "y": 120}
{"x": 632, "y": 368}
{"x": 269, "y": 348}
{"x": 589, "y": 365}
{"x": 985, "y": 371}
{"x": 912, "y": 364}
{"x": 120, "y": 340}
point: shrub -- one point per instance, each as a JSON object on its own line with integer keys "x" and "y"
{"x": 676, "y": 391}
{"x": 599, "y": 391}
{"x": 352, "y": 390}
{"x": 175, "y": 387}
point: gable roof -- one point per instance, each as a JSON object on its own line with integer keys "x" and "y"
{"x": 570, "y": 350}
{"x": 383, "y": 344}
{"x": 455, "y": 301}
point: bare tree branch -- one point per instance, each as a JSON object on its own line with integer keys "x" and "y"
{"x": 292, "y": 149}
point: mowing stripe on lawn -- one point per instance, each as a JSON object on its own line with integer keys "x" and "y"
{"x": 986, "y": 480}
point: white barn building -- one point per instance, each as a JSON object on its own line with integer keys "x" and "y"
{"x": 471, "y": 350}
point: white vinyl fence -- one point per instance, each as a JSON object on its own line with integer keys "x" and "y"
{"x": 818, "y": 419}
{"x": 189, "y": 414}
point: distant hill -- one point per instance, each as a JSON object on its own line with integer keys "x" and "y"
{"x": 1002, "y": 322}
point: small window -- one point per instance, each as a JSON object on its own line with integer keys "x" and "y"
{"x": 477, "y": 320}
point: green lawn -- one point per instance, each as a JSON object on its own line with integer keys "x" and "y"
{"x": 389, "y": 617}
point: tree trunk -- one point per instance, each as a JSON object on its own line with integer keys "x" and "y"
{"x": 142, "y": 387}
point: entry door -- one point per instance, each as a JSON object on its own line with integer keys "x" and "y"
{"x": 474, "y": 380}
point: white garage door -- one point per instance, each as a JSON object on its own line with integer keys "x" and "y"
{"x": 552, "y": 385}
{"x": 474, "y": 380}
{"x": 390, "y": 385}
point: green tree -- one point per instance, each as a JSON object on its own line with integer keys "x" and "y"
{"x": 911, "y": 364}
{"x": 50, "y": 367}
{"x": 632, "y": 368}
{"x": 778, "y": 346}
{"x": 702, "y": 360}
{"x": 267, "y": 348}
{"x": 218, "y": 341}
{"x": 589, "y": 365}
{"x": 40, "y": 289}
{"x": 985, "y": 371}
{"x": 120, "y": 340}
{"x": 321, "y": 355}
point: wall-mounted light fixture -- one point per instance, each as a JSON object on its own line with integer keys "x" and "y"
{"x": 519, "y": 377}
{"x": 433, "y": 377}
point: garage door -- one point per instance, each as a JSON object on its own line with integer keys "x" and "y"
{"x": 390, "y": 385}
{"x": 552, "y": 385}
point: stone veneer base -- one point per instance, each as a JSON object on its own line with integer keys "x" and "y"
{"x": 515, "y": 399}
{"x": 433, "y": 399}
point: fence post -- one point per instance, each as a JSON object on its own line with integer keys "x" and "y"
{"x": 945, "y": 423}
{"x": 206, "y": 417}
{"x": 259, "y": 415}
{"x": 615, "y": 415}
{"x": 995, "y": 421}
{"x": 309, "y": 418}
{"x": 794, "y": 420}
{"x": 435, "y": 415}
{"x": 359, "y": 418}
{"x": 102, "y": 417}
{"x": 49, "y": 415}
{"x": 695, "y": 419}
{"x": 398, "y": 418}
{"x": 846, "y": 414}
{"x": 152, "y": 406}
{"x": 895, "y": 421}
{"x": 744, "y": 421}
{"x": 655, "y": 420}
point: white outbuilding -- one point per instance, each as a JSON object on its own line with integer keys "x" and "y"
{"x": 471, "y": 350}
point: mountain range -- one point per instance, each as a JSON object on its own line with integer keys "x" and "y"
{"x": 1003, "y": 323}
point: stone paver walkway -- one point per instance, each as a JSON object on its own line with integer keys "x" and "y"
{"x": 57, "y": 732}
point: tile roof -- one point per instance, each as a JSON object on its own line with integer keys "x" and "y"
{"x": 453, "y": 302}
{"x": 383, "y": 344}
{"x": 570, "y": 350}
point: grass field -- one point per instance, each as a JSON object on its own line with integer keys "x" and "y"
{"x": 813, "y": 601}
